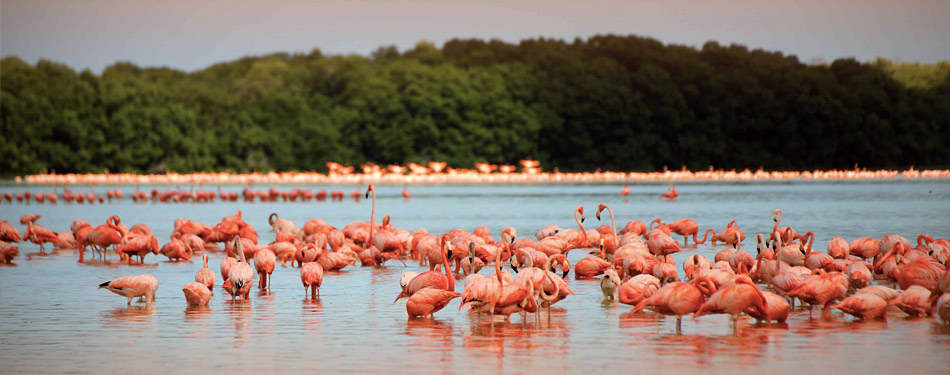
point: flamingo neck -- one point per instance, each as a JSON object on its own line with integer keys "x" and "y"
{"x": 445, "y": 267}
{"x": 613, "y": 223}
{"x": 580, "y": 224}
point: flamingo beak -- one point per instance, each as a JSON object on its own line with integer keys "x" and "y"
{"x": 566, "y": 271}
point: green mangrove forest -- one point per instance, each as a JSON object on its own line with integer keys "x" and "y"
{"x": 608, "y": 102}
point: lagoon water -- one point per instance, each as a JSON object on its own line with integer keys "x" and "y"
{"x": 53, "y": 319}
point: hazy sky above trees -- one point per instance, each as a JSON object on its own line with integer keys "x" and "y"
{"x": 191, "y": 35}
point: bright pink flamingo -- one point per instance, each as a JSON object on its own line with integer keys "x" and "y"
{"x": 428, "y": 301}
{"x": 197, "y": 294}
{"x": 662, "y": 245}
{"x": 612, "y": 241}
{"x": 924, "y": 271}
{"x": 626, "y": 188}
{"x": 405, "y": 191}
{"x": 133, "y": 286}
{"x": 106, "y": 234}
{"x": 176, "y": 250}
{"x": 695, "y": 263}
{"x": 205, "y": 275}
{"x": 264, "y": 262}
{"x": 813, "y": 259}
{"x": 241, "y": 275}
{"x": 311, "y": 275}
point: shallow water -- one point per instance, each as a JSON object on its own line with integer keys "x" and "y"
{"x": 54, "y": 319}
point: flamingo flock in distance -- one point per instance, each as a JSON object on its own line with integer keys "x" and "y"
{"x": 865, "y": 277}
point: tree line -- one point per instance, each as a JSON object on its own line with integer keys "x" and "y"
{"x": 609, "y": 102}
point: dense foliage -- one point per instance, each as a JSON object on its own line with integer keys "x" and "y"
{"x": 609, "y": 102}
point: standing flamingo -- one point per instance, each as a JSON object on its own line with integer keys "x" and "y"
{"x": 671, "y": 194}
{"x": 435, "y": 278}
{"x": 405, "y": 191}
{"x": 205, "y": 275}
{"x": 735, "y": 299}
{"x": 311, "y": 275}
{"x": 241, "y": 275}
{"x": 8, "y": 232}
{"x": 675, "y": 298}
{"x": 822, "y": 289}
{"x": 864, "y": 306}
{"x": 626, "y": 188}
{"x": 685, "y": 228}
{"x": 483, "y": 293}
{"x": 143, "y": 285}
{"x": 593, "y": 265}
{"x": 37, "y": 234}
{"x": 264, "y": 261}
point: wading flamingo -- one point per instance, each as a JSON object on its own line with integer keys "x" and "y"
{"x": 143, "y": 285}
{"x": 671, "y": 194}
{"x": 205, "y": 275}
{"x": 241, "y": 275}
{"x": 197, "y": 294}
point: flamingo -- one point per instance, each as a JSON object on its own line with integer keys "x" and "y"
{"x": 8, "y": 252}
{"x": 264, "y": 262}
{"x": 197, "y": 294}
{"x": 277, "y": 225}
{"x": 942, "y": 308}
{"x": 143, "y": 285}
{"x": 311, "y": 275}
{"x": 205, "y": 275}
{"x": 38, "y": 234}
{"x": 671, "y": 194}
{"x": 838, "y": 247}
{"x": 812, "y": 259}
{"x": 432, "y": 279}
{"x": 405, "y": 191}
{"x": 626, "y": 188}
{"x": 735, "y": 299}
{"x": 106, "y": 234}
{"x": 822, "y": 289}
{"x": 593, "y": 265}
{"x": 610, "y": 246}
{"x": 924, "y": 271}
{"x": 778, "y": 309}
{"x": 695, "y": 263}
{"x": 914, "y": 301}
{"x": 786, "y": 234}
{"x": 675, "y": 298}
{"x": 864, "y": 306}
{"x": 8, "y": 232}
{"x": 609, "y": 284}
{"x": 864, "y": 248}
{"x": 428, "y": 301}
{"x": 483, "y": 293}
{"x": 637, "y": 289}
{"x": 687, "y": 227}
{"x": 240, "y": 277}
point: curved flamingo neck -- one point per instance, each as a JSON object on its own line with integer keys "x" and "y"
{"x": 579, "y": 211}
{"x": 654, "y": 222}
{"x": 705, "y": 236}
{"x": 922, "y": 238}
{"x": 811, "y": 241}
{"x": 205, "y": 258}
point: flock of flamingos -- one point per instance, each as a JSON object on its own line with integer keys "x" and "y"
{"x": 864, "y": 277}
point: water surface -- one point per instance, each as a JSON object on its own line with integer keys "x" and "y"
{"x": 53, "y": 319}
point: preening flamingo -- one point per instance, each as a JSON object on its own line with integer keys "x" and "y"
{"x": 864, "y": 306}
{"x": 197, "y": 294}
{"x": 674, "y": 299}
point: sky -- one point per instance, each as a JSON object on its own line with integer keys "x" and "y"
{"x": 193, "y": 34}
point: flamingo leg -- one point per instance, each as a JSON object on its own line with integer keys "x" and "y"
{"x": 679, "y": 325}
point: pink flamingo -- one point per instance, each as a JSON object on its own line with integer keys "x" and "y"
{"x": 435, "y": 278}
{"x": 593, "y": 265}
{"x": 8, "y": 232}
{"x": 674, "y": 299}
{"x": 822, "y": 289}
{"x": 205, "y": 275}
{"x": 311, "y": 275}
{"x": 735, "y": 299}
{"x": 483, "y": 293}
{"x": 864, "y": 306}
{"x": 626, "y": 188}
{"x": 143, "y": 285}
{"x": 264, "y": 262}
{"x": 671, "y": 194}
{"x": 241, "y": 275}
{"x": 197, "y": 294}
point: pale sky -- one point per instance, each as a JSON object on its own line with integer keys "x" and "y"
{"x": 193, "y": 34}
